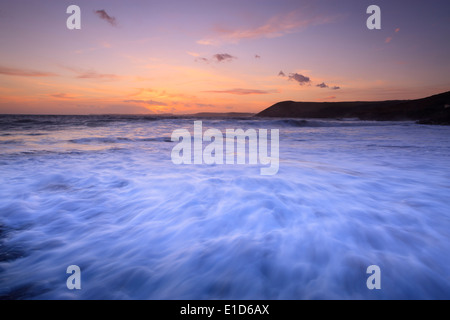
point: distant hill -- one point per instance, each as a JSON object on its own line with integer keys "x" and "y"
{"x": 430, "y": 110}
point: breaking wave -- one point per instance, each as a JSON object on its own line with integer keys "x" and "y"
{"x": 110, "y": 200}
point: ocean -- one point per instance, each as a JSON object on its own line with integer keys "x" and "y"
{"x": 102, "y": 193}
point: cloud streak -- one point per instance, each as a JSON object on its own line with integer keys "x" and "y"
{"x": 24, "y": 72}
{"x": 148, "y": 102}
{"x": 64, "y": 96}
{"x": 218, "y": 57}
{"x": 241, "y": 92}
{"x": 390, "y": 38}
{"x": 92, "y": 74}
{"x": 104, "y": 16}
{"x": 274, "y": 27}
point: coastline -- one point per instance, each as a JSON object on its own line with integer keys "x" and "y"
{"x": 432, "y": 110}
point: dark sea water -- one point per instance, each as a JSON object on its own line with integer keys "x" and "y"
{"x": 102, "y": 193}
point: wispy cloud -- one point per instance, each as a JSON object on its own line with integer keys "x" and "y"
{"x": 218, "y": 57}
{"x": 148, "y": 94}
{"x": 201, "y": 105}
{"x": 281, "y": 74}
{"x": 335, "y": 88}
{"x": 101, "y": 45}
{"x": 24, "y": 72}
{"x": 64, "y": 96}
{"x": 105, "y": 16}
{"x": 389, "y": 39}
{"x": 92, "y": 74}
{"x": 276, "y": 26}
{"x": 301, "y": 79}
{"x": 202, "y": 59}
{"x": 147, "y": 102}
{"x": 241, "y": 92}
{"x": 208, "y": 42}
{"x": 193, "y": 54}
{"x": 170, "y": 105}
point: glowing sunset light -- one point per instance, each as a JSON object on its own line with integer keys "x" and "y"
{"x": 214, "y": 56}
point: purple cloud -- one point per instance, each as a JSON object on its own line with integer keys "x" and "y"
{"x": 103, "y": 15}
{"x": 301, "y": 79}
{"x": 219, "y": 57}
{"x": 322, "y": 85}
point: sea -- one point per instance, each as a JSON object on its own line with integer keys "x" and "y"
{"x": 101, "y": 192}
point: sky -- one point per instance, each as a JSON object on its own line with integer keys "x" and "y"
{"x": 189, "y": 56}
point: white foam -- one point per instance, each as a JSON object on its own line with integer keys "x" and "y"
{"x": 141, "y": 227}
